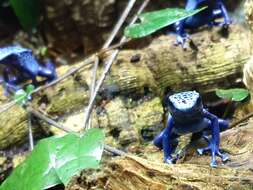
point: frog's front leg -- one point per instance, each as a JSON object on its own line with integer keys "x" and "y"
{"x": 182, "y": 36}
{"x": 164, "y": 141}
{"x": 215, "y": 140}
{"x": 48, "y": 71}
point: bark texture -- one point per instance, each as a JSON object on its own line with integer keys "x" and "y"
{"x": 131, "y": 172}
{"x": 72, "y": 24}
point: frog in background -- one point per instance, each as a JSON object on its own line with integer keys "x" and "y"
{"x": 187, "y": 115}
{"x": 215, "y": 10}
{"x": 23, "y": 64}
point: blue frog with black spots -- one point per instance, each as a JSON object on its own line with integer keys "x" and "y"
{"x": 20, "y": 65}
{"x": 187, "y": 115}
{"x": 215, "y": 10}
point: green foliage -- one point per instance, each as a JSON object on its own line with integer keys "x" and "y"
{"x": 153, "y": 21}
{"x": 235, "y": 94}
{"x": 22, "y": 96}
{"x": 27, "y": 11}
{"x": 55, "y": 160}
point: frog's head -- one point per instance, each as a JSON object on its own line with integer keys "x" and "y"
{"x": 186, "y": 106}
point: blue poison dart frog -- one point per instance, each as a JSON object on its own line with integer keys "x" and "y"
{"x": 187, "y": 115}
{"x": 215, "y": 10}
{"x": 20, "y": 65}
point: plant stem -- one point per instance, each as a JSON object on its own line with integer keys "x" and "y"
{"x": 109, "y": 64}
{"x": 106, "y": 45}
{"x": 31, "y": 141}
{"x": 246, "y": 117}
{"x": 88, "y": 60}
{"x": 50, "y": 121}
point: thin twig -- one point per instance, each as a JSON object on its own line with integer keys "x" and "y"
{"x": 31, "y": 141}
{"x": 50, "y": 121}
{"x": 106, "y": 45}
{"x": 92, "y": 88}
{"x": 88, "y": 60}
{"x": 114, "y": 151}
{"x": 119, "y": 23}
{"x": 7, "y": 106}
{"x": 246, "y": 117}
{"x": 108, "y": 66}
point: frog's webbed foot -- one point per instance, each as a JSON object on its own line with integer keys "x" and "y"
{"x": 214, "y": 152}
{"x": 181, "y": 40}
{"x": 170, "y": 160}
{"x": 224, "y": 24}
{"x": 10, "y": 88}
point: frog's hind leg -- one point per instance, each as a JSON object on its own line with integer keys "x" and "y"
{"x": 224, "y": 157}
{"x": 223, "y": 125}
{"x": 11, "y": 82}
{"x": 220, "y": 12}
{"x": 158, "y": 141}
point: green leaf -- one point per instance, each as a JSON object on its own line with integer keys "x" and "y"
{"x": 55, "y": 160}
{"x": 153, "y": 21}
{"x": 27, "y": 11}
{"x": 71, "y": 160}
{"x": 235, "y": 94}
{"x": 20, "y": 97}
{"x": 29, "y": 89}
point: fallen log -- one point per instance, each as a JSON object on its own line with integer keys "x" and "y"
{"x": 132, "y": 172}
{"x": 217, "y": 62}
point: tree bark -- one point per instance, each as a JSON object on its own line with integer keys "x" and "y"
{"x": 131, "y": 172}
{"x": 70, "y": 25}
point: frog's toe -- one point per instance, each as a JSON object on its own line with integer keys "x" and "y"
{"x": 181, "y": 40}
{"x": 214, "y": 164}
{"x": 224, "y": 157}
{"x": 169, "y": 160}
{"x": 201, "y": 151}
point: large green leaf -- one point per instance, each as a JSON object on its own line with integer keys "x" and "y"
{"x": 153, "y": 21}
{"x": 71, "y": 160}
{"x": 55, "y": 160}
{"x": 27, "y": 11}
{"x": 235, "y": 94}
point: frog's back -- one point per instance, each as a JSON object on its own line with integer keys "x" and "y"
{"x": 12, "y": 50}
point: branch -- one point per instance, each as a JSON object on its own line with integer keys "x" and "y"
{"x": 108, "y": 66}
{"x": 106, "y": 45}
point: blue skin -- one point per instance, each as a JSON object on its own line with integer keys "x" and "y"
{"x": 188, "y": 116}
{"x": 26, "y": 67}
{"x": 215, "y": 9}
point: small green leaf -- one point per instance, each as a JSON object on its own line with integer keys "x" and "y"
{"x": 29, "y": 89}
{"x": 27, "y": 11}
{"x": 236, "y": 94}
{"x": 153, "y": 21}
{"x": 55, "y": 160}
{"x": 20, "y": 97}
